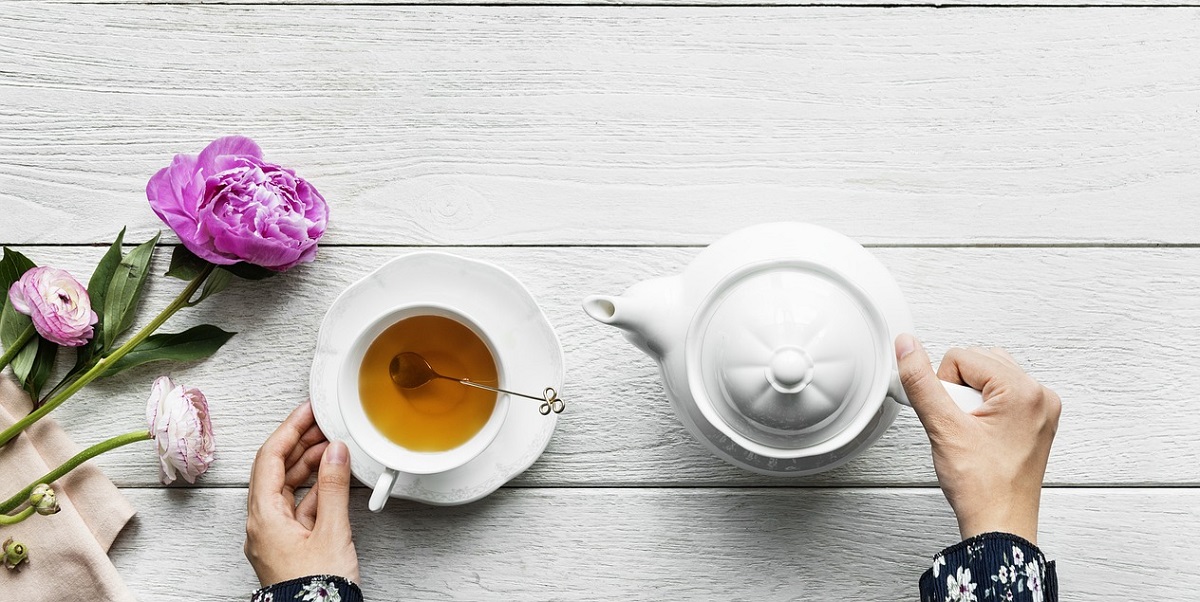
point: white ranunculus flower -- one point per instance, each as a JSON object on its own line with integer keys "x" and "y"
{"x": 58, "y": 305}
{"x": 182, "y": 431}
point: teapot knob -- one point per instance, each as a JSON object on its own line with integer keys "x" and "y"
{"x": 790, "y": 369}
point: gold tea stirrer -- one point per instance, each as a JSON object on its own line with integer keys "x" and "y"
{"x": 409, "y": 370}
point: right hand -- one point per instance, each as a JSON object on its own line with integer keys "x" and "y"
{"x": 285, "y": 540}
{"x": 989, "y": 462}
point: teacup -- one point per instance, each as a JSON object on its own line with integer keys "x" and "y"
{"x": 396, "y": 458}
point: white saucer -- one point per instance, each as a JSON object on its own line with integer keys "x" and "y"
{"x": 532, "y": 356}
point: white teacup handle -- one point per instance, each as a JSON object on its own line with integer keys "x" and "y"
{"x": 967, "y": 398}
{"x": 383, "y": 490}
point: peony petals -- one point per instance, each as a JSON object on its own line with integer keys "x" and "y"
{"x": 174, "y": 192}
{"x": 228, "y": 206}
{"x": 229, "y": 145}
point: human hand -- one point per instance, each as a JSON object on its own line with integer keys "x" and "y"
{"x": 989, "y": 462}
{"x": 285, "y": 540}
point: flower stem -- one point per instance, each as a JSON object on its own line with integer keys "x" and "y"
{"x": 16, "y": 347}
{"x": 16, "y": 518}
{"x": 180, "y": 302}
{"x": 79, "y": 458}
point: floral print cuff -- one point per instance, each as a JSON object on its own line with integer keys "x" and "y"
{"x": 991, "y": 566}
{"x": 314, "y": 588}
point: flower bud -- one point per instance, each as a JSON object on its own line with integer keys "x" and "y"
{"x": 177, "y": 417}
{"x": 14, "y": 552}
{"x": 43, "y": 500}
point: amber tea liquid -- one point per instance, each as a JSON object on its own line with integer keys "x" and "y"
{"x": 441, "y": 414}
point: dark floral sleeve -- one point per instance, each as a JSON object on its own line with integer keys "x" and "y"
{"x": 992, "y": 566}
{"x": 315, "y": 588}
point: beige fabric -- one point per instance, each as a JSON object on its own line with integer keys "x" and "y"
{"x": 68, "y": 551}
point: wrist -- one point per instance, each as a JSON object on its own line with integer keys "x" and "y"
{"x": 1022, "y": 524}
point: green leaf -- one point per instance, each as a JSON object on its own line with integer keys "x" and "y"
{"x": 98, "y": 293}
{"x": 12, "y": 266}
{"x": 185, "y": 265}
{"x": 217, "y": 281}
{"x": 120, "y": 300}
{"x": 35, "y": 361}
{"x": 12, "y": 322}
{"x": 33, "y": 365}
{"x": 249, "y": 271}
{"x": 195, "y": 343}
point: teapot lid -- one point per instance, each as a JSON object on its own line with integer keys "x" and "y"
{"x": 787, "y": 352}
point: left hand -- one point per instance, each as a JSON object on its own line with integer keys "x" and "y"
{"x": 284, "y": 540}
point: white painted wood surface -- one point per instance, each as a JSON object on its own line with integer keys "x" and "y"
{"x": 676, "y": 3}
{"x": 1116, "y": 355}
{"x": 676, "y": 544}
{"x": 560, "y": 125}
{"x": 1030, "y": 175}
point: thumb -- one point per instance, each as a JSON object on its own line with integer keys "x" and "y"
{"x": 333, "y": 488}
{"x": 933, "y": 404}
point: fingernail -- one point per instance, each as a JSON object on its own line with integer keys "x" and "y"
{"x": 337, "y": 454}
{"x": 906, "y": 344}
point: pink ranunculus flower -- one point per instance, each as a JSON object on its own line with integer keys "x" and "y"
{"x": 181, "y": 429}
{"x": 227, "y": 205}
{"x": 58, "y": 305}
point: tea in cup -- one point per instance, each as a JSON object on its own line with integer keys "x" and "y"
{"x": 428, "y": 429}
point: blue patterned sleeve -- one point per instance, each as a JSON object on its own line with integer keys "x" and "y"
{"x": 992, "y": 566}
{"x": 314, "y": 588}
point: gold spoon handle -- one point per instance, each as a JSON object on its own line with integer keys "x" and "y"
{"x": 549, "y": 398}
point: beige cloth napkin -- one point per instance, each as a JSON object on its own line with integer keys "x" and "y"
{"x": 68, "y": 551}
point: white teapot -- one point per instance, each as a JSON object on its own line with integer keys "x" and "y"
{"x": 776, "y": 346}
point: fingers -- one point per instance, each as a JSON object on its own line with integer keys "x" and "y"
{"x": 1004, "y": 355}
{"x": 308, "y": 463}
{"x": 306, "y": 512}
{"x": 310, "y": 438}
{"x": 996, "y": 352}
{"x": 933, "y": 405}
{"x": 267, "y": 474}
{"x": 333, "y": 486}
{"x": 974, "y": 368}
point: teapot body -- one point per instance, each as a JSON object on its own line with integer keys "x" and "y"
{"x": 692, "y": 324}
{"x": 738, "y": 454}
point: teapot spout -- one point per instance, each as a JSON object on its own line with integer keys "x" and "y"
{"x": 644, "y": 312}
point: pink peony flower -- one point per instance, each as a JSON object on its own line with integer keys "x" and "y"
{"x": 181, "y": 429}
{"x": 59, "y": 306}
{"x": 227, "y": 205}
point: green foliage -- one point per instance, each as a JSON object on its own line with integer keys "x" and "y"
{"x": 12, "y": 322}
{"x": 196, "y": 343}
{"x": 124, "y": 289}
{"x": 217, "y": 281}
{"x": 33, "y": 365}
{"x": 35, "y": 361}
{"x": 249, "y": 271}
{"x": 98, "y": 292}
{"x": 185, "y": 265}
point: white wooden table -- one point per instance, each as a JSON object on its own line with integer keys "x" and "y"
{"x": 1030, "y": 175}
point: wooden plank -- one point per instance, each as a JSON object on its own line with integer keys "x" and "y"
{"x": 1109, "y": 329}
{"x": 544, "y": 125}
{"x": 656, "y": 544}
{"x": 673, "y": 3}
